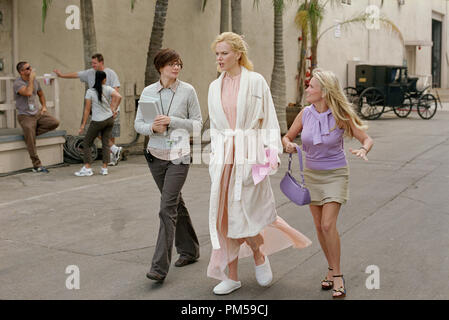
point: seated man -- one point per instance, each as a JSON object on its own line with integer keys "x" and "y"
{"x": 33, "y": 121}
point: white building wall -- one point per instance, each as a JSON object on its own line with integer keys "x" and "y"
{"x": 123, "y": 37}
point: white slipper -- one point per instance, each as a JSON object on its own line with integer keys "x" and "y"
{"x": 227, "y": 286}
{"x": 264, "y": 275}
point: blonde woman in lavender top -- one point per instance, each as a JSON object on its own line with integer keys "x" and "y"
{"x": 323, "y": 125}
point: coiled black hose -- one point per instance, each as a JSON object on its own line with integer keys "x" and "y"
{"x": 73, "y": 150}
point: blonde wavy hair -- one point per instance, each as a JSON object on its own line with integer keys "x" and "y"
{"x": 336, "y": 100}
{"x": 238, "y": 45}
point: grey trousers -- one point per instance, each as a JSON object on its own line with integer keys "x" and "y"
{"x": 103, "y": 128}
{"x": 175, "y": 223}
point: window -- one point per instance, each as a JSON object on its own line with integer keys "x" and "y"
{"x": 348, "y": 2}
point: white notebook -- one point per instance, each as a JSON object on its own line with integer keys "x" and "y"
{"x": 150, "y": 110}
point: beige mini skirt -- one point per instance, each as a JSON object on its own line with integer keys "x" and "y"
{"x": 327, "y": 185}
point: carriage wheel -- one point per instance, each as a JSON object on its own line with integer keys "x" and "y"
{"x": 404, "y": 110}
{"x": 351, "y": 94}
{"x": 427, "y": 106}
{"x": 371, "y": 104}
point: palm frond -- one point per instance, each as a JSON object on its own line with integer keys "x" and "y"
{"x": 316, "y": 11}
{"x": 302, "y": 6}
{"x": 389, "y": 25}
{"x": 310, "y": 14}
{"x": 302, "y": 20}
{"x": 203, "y": 6}
{"x": 279, "y": 5}
{"x": 45, "y": 6}
{"x": 332, "y": 3}
{"x": 315, "y": 17}
{"x": 363, "y": 18}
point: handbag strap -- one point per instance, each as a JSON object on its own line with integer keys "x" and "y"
{"x": 300, "y": 163}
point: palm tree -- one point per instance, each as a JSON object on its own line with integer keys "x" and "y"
{"x": 277, "y": 85}
{"x": 88, "y": 24}
{"x": 89, "y": 35}
{"x": 236, "y": 16}
{"x": 302, "y": 22}
{"x": 308, "y": 19}
{"x": 45, "y": 6}
{"x": 316, "y": 17}
{"x": 224, "y": 16}
{"x": 156, "y": 40}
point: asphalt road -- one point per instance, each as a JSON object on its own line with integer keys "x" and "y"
{"x": 396, "y": 223}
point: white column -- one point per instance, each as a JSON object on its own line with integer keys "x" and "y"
{"x": 15, "y": 33}
{"x": 56, "y": 96}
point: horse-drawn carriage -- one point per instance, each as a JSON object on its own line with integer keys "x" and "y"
{"x": 379, "y": 87}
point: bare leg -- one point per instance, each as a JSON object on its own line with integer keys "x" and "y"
{"x": 259, "y": 258}
{"x": 255, "y": 243}
{"x": 317, "y": 213}
{"x": 330, "y": 232}
{"x": 233, "y": 270}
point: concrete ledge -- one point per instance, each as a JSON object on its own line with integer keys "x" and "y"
{"x": 7, "y": 135}
{"x": 14, "y": 155}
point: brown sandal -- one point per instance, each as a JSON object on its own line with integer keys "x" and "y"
{"x": 330, "y": 283}
{"x": 341, "y": 290}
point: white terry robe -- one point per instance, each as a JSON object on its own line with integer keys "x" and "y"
{"x": 250, "y": 207}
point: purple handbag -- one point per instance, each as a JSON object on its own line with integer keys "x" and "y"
{"x": 295, "y": 191}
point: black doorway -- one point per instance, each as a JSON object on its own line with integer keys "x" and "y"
{"x": 436, "y": 53}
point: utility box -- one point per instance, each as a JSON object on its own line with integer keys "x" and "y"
{"x": 130, "y": 89}
{"x": 350, "y": 71}
{"x": 130, "y": 105}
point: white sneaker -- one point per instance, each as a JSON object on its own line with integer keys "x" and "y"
{"x": 84, "y": 172}
{"x": 264, "y": 275}
{"x": 118, "y": 153}
{"x": 113, "y": 159}
{"x": 227, "y": 286}
{"x": 104, "y": 171}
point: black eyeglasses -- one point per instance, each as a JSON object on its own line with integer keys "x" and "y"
{"x": 175, "y": 64}
{"x": 29, "y": 68}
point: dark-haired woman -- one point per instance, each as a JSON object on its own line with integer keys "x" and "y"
{"x": 168, "y": 157}
{"x": 103, "y": 101}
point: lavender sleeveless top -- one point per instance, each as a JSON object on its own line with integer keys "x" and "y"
{"x": 322, "y": 140}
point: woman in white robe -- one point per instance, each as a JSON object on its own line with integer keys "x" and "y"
{"x": 245, "y": 143}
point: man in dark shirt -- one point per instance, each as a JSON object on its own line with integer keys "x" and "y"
{"x": 34, "y": 121}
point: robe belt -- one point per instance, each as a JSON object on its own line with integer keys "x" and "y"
{"x": 239, "y": 162}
